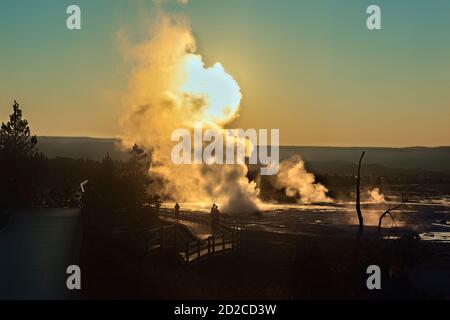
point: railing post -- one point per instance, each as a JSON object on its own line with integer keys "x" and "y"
{"x": 209, "y": 244}
{"x": 234, "y": 240}
{"x": 213, "y": 244}
{"x": 238, "y": 236}
{"x": 198, "y": 248}
{"x": 187, "y": 252}
{"x": 223, "y": 241}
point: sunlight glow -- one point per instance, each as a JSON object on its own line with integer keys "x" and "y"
{"x": 218, "y": 89}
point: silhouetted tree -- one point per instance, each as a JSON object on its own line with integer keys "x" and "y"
{"x": 124, "y": 184}
{"x": 388, "y": 212}
{"x": 108, "y": 182}
{"x": 15, "y": 136}
{"x": 358, "y": 196}
{"x": 136, "y": 176}
{"x": 17, "y": 149}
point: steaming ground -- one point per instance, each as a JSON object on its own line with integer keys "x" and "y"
{"x": 169, "y": 88}
{"x": 423, "y": 216}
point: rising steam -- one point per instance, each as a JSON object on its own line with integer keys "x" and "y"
{"x": 375, "y": 196}
{"x": 170, "y": 88}
{"x": 299, "y": 183}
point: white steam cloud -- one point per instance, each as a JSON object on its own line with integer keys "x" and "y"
{"x": 299, "y": 183}
{"x": 170, "y": 88}
{"x": 375, "y": 196}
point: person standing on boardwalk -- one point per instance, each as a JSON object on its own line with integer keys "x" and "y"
{"x": 214, "y": 216}
{"x": 217, "y": 217}
{"x": 177, "y": 211}
{"x": 157, "y": 205}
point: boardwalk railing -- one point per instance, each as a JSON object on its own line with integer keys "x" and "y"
{"x": 166, "y": 238}
{"x": 185, "y": 216}
{"x": 135, "y": 228}
{"x": 197, "y": 249}
{"x": 227, "y": 239}
{"x": 163, "y": 238}
{"x": 148, "y": 240}
{"x": 196, "y": 218}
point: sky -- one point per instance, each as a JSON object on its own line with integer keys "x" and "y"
{"x": 309, "y": 68}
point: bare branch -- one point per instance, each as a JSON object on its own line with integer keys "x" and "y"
{"x": 388, "y": 212}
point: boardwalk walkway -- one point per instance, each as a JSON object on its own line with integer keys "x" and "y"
{"x": 207, "y": 241}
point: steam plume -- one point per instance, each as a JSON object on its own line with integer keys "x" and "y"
{"x": 170, "y": 88}
{"x": 297, "y": 182}
{"x": 375, "y": 196}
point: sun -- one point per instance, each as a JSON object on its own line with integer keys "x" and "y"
{"x": 219, "y": 91}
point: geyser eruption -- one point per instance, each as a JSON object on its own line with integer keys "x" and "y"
{"x": 299, "y": 183}
{"x": 170, "y": 88}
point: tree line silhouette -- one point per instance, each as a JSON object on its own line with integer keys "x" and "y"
{"x": 30, "y": 179}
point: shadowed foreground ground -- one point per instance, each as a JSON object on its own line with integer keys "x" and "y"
{"x": 36, "y": 247}
{"x": 270, "y": 266}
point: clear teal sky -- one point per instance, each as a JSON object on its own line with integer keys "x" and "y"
{"x": 308, "y": 67}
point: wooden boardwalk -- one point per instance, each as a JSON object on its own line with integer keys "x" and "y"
{"x": 206, "y": 241}
{"x": 190, "y": 236}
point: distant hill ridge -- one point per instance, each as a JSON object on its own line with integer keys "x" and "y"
{"x": 424, "y": 158}
{"x": 81, "y": 147}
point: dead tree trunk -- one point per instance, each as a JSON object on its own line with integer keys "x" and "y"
{"x": 388, "y": 212}
{"x": 358, "y": 196}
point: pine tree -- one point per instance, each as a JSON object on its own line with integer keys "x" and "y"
{"x": 15, "y": 136}
{"x": 136, "y": 176}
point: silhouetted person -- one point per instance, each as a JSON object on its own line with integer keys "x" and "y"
{"x": 213, "y": 211}
{"x": 158, "y": 205}
{"x": 215, "y": 215}
{"x": 217, "y": 212}
{"x": 177, "y": 211}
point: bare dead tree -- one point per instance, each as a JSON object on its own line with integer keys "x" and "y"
{"x": 358, "y": 195}
{"x": 388, "y": 212}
